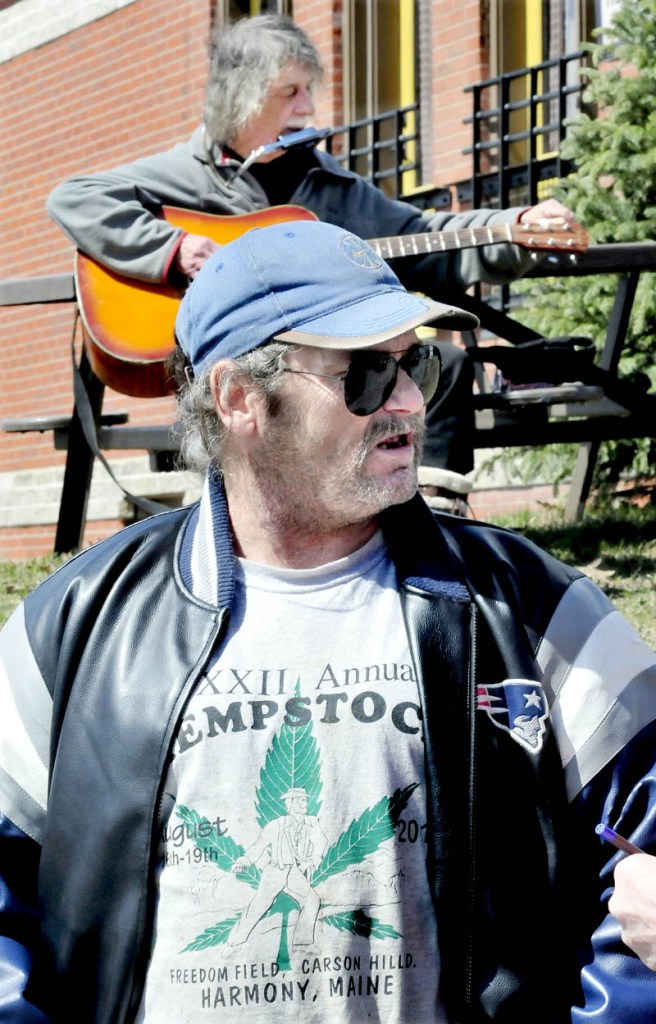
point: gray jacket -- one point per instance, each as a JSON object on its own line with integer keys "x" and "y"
{"x": 114, "y": 215}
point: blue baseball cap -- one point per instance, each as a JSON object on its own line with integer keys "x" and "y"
{"x": 304, "y": 282}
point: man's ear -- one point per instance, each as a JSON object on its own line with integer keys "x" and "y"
{"x": 238, "y": 405}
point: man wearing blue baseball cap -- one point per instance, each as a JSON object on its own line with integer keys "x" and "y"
{"x": 451, "y": 709}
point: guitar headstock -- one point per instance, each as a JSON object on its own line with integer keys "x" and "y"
{"x": 541, "y": 235}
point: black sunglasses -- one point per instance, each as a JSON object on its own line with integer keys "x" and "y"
{"x": 371, "y": 376}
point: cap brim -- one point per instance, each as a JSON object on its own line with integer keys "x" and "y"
{"x": 376, "y": 319}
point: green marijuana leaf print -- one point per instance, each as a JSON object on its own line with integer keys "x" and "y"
{"x": 364, "y": 835}
{"x": 223, "y": 851}
{"x": 214, "y": 936}
{"x": 292, "y": 761}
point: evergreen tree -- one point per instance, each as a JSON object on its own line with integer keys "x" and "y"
{"x": 613, "y": 194}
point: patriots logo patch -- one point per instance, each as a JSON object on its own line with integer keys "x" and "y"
{"x": 520, "y": 707}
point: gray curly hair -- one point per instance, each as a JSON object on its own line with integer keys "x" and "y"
{"x": 201, "y": 433}
{"x": 245, "y": 58}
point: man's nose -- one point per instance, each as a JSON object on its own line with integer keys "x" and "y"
{"x": 406, "y": 396}
{"x": 304, "y": 103}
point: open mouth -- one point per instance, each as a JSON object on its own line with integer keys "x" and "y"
{"x": 398, "y": 441}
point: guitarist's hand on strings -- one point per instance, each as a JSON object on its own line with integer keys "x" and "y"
{"x": 192, "y": 253}
{"x": 549, "y": 214}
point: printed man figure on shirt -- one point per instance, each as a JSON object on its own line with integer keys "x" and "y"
{"x": 294, "y": 845}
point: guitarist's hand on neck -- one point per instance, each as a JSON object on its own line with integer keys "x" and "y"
{"x": 549, "y": 213}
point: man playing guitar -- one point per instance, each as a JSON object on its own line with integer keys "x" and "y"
{"x": 264, "y": 71}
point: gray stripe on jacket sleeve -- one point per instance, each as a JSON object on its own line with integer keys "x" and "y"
{"x": 24, "y": 727}
{"x": 636, "y": 709}
{"x": 20, "y": 808}
{"x": 582, "y": 608}
{"x": 600, "y": 678}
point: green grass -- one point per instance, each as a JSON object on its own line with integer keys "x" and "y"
{"x": 617, "y": 549}
{"x": 17, "y": 579}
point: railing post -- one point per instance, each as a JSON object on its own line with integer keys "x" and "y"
{"x": 563, "y": 99}
{"x": 79, "y": 468}
{"x": 374, "y": 156}
{"x": 504, "y": 147}
{"x": 477, "y": 179}
{"x": 399, "y": 151}
{"x": 533, "y": 85}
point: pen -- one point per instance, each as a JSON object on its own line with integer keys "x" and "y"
{"x": 611, "y": 836}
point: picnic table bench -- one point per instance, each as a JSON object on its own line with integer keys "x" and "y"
{"x": 610, "y": 408}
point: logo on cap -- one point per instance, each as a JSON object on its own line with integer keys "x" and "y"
{"x": 360, "y": 254}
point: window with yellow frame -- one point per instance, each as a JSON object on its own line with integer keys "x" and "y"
{"x": 524, "y": 33}
{"x": 230, "y": 10}
{"x": 380, "y": 62}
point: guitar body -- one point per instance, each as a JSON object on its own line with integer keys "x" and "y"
{"x": 129, "y": 325}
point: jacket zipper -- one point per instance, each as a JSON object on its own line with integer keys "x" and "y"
{"x": 218, "y": 634}
{"x": 472, "y": 880}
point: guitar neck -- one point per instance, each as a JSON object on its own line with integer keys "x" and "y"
{"x": 440, "y": 241}
{"x": 529, "y": 236}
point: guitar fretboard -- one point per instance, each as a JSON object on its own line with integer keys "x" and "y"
{"x": 529, "y": 235}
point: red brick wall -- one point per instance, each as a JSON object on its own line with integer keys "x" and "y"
{"x": 125, "y": 85}
{"x": 322, "y": 20}
{"x": 460, "y": 58}
{"x": 128, "y": 84}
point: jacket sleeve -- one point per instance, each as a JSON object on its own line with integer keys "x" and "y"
{"x": 616, "y": 984}
{"x": 24, "y": 725}
{"x": 602, "y": 682}
{"x": 114, "y": 215}
{"x": 19, "y": 857}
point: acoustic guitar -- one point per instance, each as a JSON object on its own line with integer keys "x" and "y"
{"x": 128, "y": 325}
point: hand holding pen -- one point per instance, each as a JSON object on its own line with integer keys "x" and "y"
{"x": 633, "y": 902}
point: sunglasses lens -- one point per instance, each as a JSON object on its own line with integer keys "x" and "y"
{"x": 423, "y": 365}
{"x": 369, "y": 382}
{"x": 371, "y": 377}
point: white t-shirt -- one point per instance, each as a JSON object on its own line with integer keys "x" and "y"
{"x": 294, "y": 855}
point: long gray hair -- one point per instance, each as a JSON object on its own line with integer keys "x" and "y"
{"x": 201, "y": 432}
{"x": 245, "y": 58}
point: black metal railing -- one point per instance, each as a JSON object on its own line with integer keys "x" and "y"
{"x": 384, "y": 149}
{"x": 519, "y": 123}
